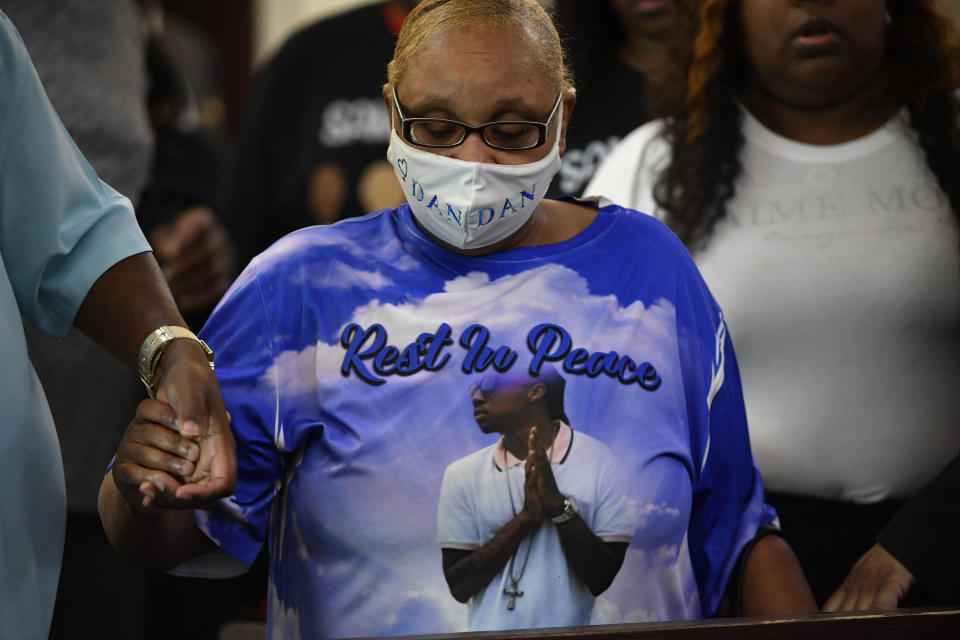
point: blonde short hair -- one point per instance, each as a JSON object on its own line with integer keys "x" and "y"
{"x": 526, "y": 17}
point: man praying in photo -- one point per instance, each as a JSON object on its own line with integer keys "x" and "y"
{"x": 534, "y": 527}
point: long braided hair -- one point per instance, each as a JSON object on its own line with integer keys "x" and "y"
{"x": 704, "y": 131}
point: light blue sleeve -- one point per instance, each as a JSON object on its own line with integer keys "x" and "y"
{"x": 457, "y": 526}
{"x": 61, "y": 227}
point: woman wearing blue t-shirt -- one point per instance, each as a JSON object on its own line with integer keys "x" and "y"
{"x": 343, "y": 353}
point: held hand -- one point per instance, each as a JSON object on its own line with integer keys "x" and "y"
{"x": 531, "y": 499}
{"x": 546, "y": 484}
{"x": 877, "y": 581}
{"x": 197, "y": 258}
{"x": 188, "y": 385}
{"x": 151, "y": 456}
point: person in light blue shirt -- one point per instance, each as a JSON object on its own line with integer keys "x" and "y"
{"x": 71, "y": 253}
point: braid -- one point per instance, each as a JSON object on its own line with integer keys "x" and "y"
{"x": 704, "y": 66}
{"x": 923, "y": 41}
{"x": 705, "y": 134}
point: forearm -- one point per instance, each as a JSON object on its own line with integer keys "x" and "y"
{"x": 471, "y": 574}
{"x": 592, "y": 560}
{"x": 159, "y": 540}
{"x": 773, "y": 582}
{"x": 125, "y": 304}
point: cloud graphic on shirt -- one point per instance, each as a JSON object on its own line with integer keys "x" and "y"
{"x": 608, "y": 612}
{"x": 416, "y": 608}
{"x": 340, "y": 275}
{"x": 651, "y": 510}
{"x": 661, "y": 582}
{"x": 509, "y": 307}
{"x": 390, "y": 248}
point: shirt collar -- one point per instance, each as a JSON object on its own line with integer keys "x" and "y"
{"x": 555, "y": 453}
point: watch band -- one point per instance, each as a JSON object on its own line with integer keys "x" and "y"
{"x": 570, "y": 509}
{"x": 153, "y": 347}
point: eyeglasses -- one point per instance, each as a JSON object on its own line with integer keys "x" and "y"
{"x": 485, "y": 386}
{"x": 508, "y": 135}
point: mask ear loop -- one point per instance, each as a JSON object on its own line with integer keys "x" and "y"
{"x": 571, "y": 91}
{"x": 393, "y": 108}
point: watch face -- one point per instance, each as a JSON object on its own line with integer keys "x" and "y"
{"x": 569, "y": 510}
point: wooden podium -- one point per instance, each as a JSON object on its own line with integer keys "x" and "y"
{"x": 922, "y": 624}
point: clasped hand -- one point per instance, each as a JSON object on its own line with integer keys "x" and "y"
{"x": 178, "y": 452}
{"x": 542, "y": 497}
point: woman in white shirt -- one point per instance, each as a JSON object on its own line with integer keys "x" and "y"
{"x": 812, "y": 173}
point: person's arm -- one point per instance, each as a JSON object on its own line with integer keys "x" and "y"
{"x": 773, "y": 581}
{"x": 197, "y": 258}
{"x": 152, "y": 462}
{"x": 126, "y": 304}
{"x": 592, "y": 560}
{"x": 767, "y": 581}
{"x": 468, "y": 572}
{"x": 738, "y": 571}
{"x": 917, "y": 546}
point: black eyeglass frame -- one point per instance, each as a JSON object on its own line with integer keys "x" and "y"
{"x": 543, "y": 128}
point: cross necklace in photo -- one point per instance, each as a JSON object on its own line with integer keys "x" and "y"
{"x": 512, "y": 592}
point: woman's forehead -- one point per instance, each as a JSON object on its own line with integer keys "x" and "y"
{"x": 454, "y": 101}
{"x": 480, "y": 54}
{"x": 478, "y": 64}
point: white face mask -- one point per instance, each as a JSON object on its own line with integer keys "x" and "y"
{"x": 470, "y": 205}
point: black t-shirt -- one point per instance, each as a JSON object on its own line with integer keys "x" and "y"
{"x": 611, "y": 102}
{"x": 313, "y": 143}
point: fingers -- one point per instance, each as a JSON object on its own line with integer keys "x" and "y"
{"x": 152, "y": 457}
{"x": 530, "y": 481}
{"x": 531, "y": 499}
{"x": 888, "y": 597}
{"x": 156, "y": 427}
{"x": 210, "y": 260}
{"x": 190, "y": 387}
{"x": 197, "y": 240}
{"x": 217, "y": 468}
{"x": 186, "y": 232}
{"x": 197, "y": 257}
{"x": 536, "y": 453}
{"x": 205, "y": 296}
{"x": 877, "y": 581}
{"x": 152, "y": 440}
{"x": 835, "y": 601}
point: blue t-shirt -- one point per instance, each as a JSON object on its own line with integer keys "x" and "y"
{"x": 345, "y": 355}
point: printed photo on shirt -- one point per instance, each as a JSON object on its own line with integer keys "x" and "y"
{"x": 575, "y": 475}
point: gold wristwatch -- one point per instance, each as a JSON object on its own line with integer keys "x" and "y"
{"x": 153, "y": 347}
